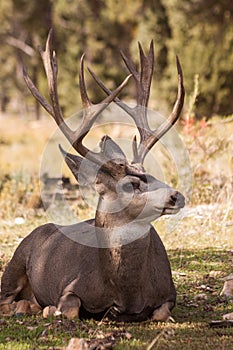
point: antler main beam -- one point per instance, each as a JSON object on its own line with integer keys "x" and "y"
{"x": 143, "y": 79}
{"x": 90, "y": 111}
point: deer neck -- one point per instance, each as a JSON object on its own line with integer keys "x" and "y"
{"x": 122, "y": 237}
{"x": 117, "y": 228}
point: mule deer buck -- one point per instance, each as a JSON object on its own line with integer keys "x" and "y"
{"x": 127, "y": 275}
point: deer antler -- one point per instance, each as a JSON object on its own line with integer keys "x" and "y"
{"x": 90, "y": 111}
{"x": 143, "y": 79}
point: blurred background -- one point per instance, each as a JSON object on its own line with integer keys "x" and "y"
{"x": 198, "y": 31}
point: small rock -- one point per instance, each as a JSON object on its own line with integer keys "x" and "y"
{"x": 128, "y": 335}
{"x": 215, "y": 274}
{"x": 201, "y": 296}
{"x": 19, "y": 221}
{"x": 77, "y": 344}
{"x": 179, "y": 274}
{"x": 203, "y": 286}
{"x": 228, "y": 316}
{"x": 30, "y": 328}
{"x": 100, "y": 335}
{"x": 227, "y": 290}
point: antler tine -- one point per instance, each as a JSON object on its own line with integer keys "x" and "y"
{"x": 123, "y": 105}
{"x": 51, "y": 69}
{"x": 90, "y": 110}
{"x": 50, "y": 64}
{"x": 129, "y": 65}
{"x": 143, "y": 83}
{"x": 167, "y": 124}
{"x": 139, "y": 114}
{"x": 83, "y": 91}
{"x": 35, "y": 92}
{"x": 135, "y": 150}
{"x": 147, "y": 69}
{"x": 44, "y": 103}
{"x": 90, "y": 114}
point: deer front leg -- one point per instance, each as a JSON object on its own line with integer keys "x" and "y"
{"x": 26, "y": 307}
{"x": 162, "y": 313}
{"x": 69, "y": 305}
{"x": 22, "y": 307}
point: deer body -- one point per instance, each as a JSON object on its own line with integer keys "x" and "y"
{"x": 115, "y": 263}
{"x": 134, "y": 292}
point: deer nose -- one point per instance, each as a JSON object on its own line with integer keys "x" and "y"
{"x": 178, "y": 199}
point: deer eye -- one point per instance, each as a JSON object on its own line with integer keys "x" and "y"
{"x": 130, "y": 187}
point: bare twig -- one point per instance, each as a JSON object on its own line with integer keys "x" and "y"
{"x": 164, "y": 334}
{"x": 20, "y": 45}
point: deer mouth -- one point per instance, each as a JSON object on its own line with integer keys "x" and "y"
{"x": 171, "y": 210}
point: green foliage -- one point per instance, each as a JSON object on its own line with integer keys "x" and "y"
{"x": 202, "y": 36}
{"x": 199, "y": 31}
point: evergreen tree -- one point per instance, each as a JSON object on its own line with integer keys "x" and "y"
{"x": 200, "y": 32}
{"x": 202, "y": 36}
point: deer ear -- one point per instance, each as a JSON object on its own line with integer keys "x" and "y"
{"x": 110, "y": 149}
{"x": 72, "y": 161}
{"x": 84, "y": 171}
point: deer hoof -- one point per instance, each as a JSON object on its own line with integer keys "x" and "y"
{"x": 78, "y": 344}
{"x": 7, "y": 310}
{"x": 71, "y": 313}
{"x": 35, "y": 308}
{"x": 49, "y": 311}
{"x": 162, "y": 314}
{"x": 69, "y": 305}
{"x": 22, "y": 308}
